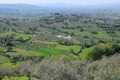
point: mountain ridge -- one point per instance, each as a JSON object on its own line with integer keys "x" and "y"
{"x": 57, "y": 5}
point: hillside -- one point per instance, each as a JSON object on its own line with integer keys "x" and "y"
{"x": 59, "y": 46}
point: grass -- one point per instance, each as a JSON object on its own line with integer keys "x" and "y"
{"x": 3, "y": 49}
{"x": 17, "y": 78}
{"x": 4, "y": 59}
{"x": 84, "y": 53}
{"x": 53, "y": 51}
{"x": 118, "y": 33}
{"x": 43, "y": 42}
{"x": 7, "y": 65}
{"x": 76, "y": 48}
{"x": 16, "y": 35}
{"x": 23, "y": 52}
{"x": 41, "y": 51}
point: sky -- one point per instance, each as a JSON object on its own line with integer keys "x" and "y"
{"x": 80, "y": 2}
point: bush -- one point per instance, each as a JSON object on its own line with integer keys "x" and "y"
{"x": 96, "y": 52}
{"x": 9, "y": 49}
{"x": 65, "y": 42}
{"x": 104, "y": 69}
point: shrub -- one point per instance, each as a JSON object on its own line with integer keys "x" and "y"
{"x": 104, "y": 69}
{"x": 96, "y": 52}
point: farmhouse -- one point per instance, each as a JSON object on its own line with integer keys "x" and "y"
{"x": 64, "y": 36}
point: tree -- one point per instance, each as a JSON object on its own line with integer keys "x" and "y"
{"x": 96, "y": 52}
{"x": 9, "y": 48}
{"x": 25, "y": 69}
{"x": 5, "y": 72}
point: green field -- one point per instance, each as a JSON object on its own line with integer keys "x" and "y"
{"x": 76, "y": 48}
{"x": 17, "y": 35}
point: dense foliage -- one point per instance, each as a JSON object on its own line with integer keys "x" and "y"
{"x": 98, "y": 51}
{"x": 104, "y": 69}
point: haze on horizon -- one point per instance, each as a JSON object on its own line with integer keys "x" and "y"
{"x": 78, "y": 2}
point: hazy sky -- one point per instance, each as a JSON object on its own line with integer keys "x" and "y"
{"x": 81, "y": 2}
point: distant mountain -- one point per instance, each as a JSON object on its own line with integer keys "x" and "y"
{"x": 57, "y": 5}
{"x": 22, "y": 10}
{"x": 17, "y": 6}
{"x": 33, "y": 10}
{"x": 38, "y": 10}
{"x": 105, "y": 6}
{"x": 61, "y": 5}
